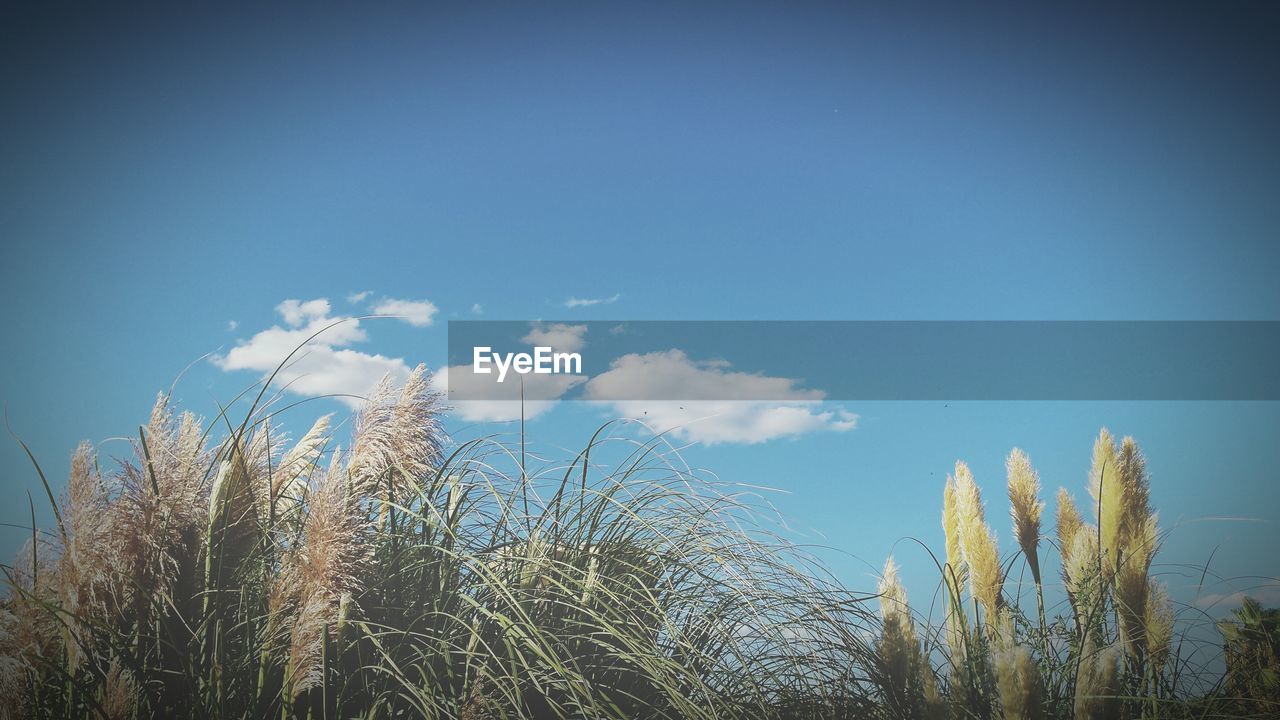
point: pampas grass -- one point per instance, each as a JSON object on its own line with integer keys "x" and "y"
{"x": 286, "y": 489}
{"x": 119, "y": 693}
{"x": 251, "y": 577}
{"x": 247, "y": 576}
{"x": 397, "y": 439}
{"x": 1068, "y": 522}
{"x": 1097, "y": 695}
{"x": 955, "y": 574}
{"x": 83, "y": 587}
{"x": 978, "y": 544}
{"x": 1107, "y": 491}
{"x": 911, "y": 690}
{"x": 317, "y": 573}
{"x": 1114, "y": 653}
{"x": 1018, "y": 680}
{"x": 1025, "y": 508}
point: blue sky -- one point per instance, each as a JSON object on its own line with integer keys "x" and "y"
{"x": 167, "y": 175}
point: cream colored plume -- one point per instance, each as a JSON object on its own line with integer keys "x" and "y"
{"x": 317, "y": 575}
{"x": 1019, "y": 684}
{"x": 289, "y": 479}
{"x": 1107, "y": 491}
{"x": 1097, "y": 684}
{"x": 162, "y": 506}
{"x": 1081, "y": 566}
{"x": 84, "y": 567}
{"x": 908, "y": 676}
{"x": 951, "y": 532}
{"x": 1159, "y": 626}
{"x": 893, "y": 601}
{"x": 1025, "y": 507}
{"x": 978, "y": 542}
{"x": 956, "y": 575}
{"x": 397, "y": 439}
{"x": 1069, "y": 523}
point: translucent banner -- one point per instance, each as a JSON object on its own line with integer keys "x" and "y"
{"x": 863, "y": 360}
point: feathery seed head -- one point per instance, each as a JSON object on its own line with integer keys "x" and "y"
{"x": 82, "y": 567}
{"x": 398, "y": 438}
{"x": 1107, "y": 490}
{"x": 908, "y": 678}
{"x": 1097, "y": 685}
{"x": 978, "y": 543}
{"x": 957, "y": 576}
{"x": 1132, "y": 467}
{"x": 951, "y": 530}
{"x": 119, "y": 693}
{"x": 289, "y": 480}
{"x": 1081, "y": 564}
{"x": 160, "y": 513}
{"x": 28, "y": 633}
{"x": 320, "y": 576}
{"x": 1159, "y": 625}
{"x": 1019, "y": 684}
{"x": 1069, "y": 523}
{"x": 14, "y": 667}
{"x": 1025, "y": 507}
{"x": 893, "y": 600}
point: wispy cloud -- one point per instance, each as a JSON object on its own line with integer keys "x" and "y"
{"x": 1266, "y": 591}
{"x": 418, "y": 313}
{"x": 574, "y": 302}
{"x": 324, "y": 365}
{"x": 356, "y": 298}
{"x": 477, "y": 309}
{"x": 232, "y": 325}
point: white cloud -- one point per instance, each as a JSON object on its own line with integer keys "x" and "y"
{"x": 477, "y": 309}
{"x": 323, "y": 365}
{"x": 232, "y": 325}
{"x": 356, "y": 298}
{"x": 1266, "y": 592}
{"x": 672, "y": 374}
{"x": 490, "y": 401}
{"x": 719, "y": 406}
{"x": 296, "y": 312}
{"x": 558, "y": 336}
{"x": 417, "y": 313}
{"x": 735, "y": 421}
{"x": 574, "y": 302}
{"x": 325, "y": 370}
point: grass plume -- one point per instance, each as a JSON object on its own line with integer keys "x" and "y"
{"x": 413, "y": 577}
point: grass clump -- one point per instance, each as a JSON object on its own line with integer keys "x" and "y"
{"x": 256, "y": 577}
{"x": 406, "y": 577}
{"x": 1110, "y": 653}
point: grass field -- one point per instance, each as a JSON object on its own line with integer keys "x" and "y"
{"x": 401, "y": 576}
